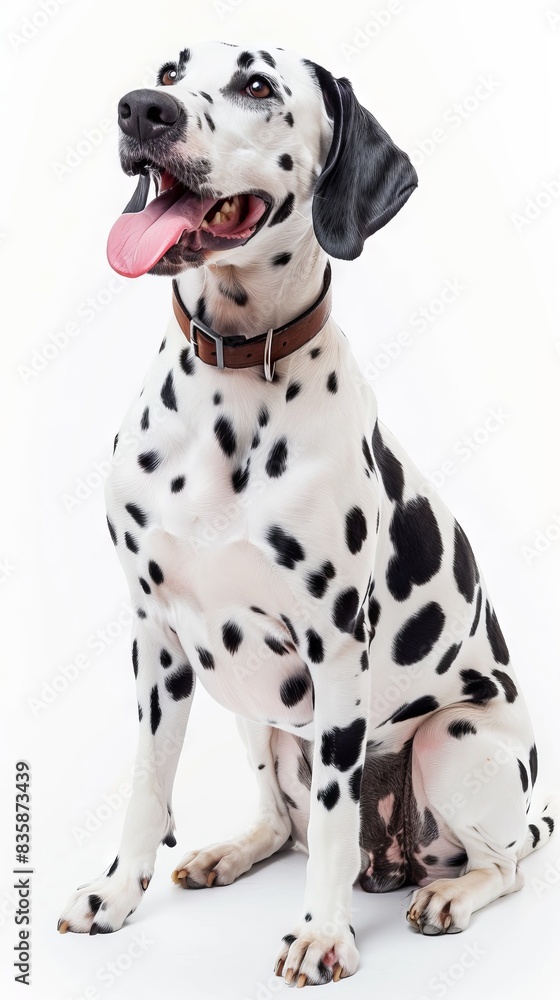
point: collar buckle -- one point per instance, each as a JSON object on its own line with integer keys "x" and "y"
{"x": 197, "y": 324}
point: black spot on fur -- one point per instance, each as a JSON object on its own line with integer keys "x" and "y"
{"x": 476, "y": 618}
{"x": 448, "y": 658}
{"x": 329, "y": 795}
{"x": 258, "y": 611}
{"x": 217, "y": 398}
{"x": 139, "y": 516}
{"x": 291, "y": 629}
{"x": 264, "y": 416}
{"x": 113, "y": 867}
{"x": 465, "y": 569}
{"x": 495, "y": 637}
{"x": 346, "y": 609}
{"x": 340, "y": 747}
{"x": 115, "y": 443}
{"x": 536, "y": 833}
{"x": 332, "y": 382}
{"x": 461, "y": 727}
{"x": 211, "y": 124}
{"x": 140, "y": 612}
{"x": 390, "y": 467}
{"x": 427, "y": 703}
{"x": 533, "y": 763}
{"x": 206, "y": 658}
{"x": 240, "y": 478}
{"x": 314, "y": 352}
{"x": 155, "y": 710}
{"x": 367, "y": 454}
{"x": 267, "y": 58}
{"x": 245, "y": 60}
{"x": 168, "y": 396}
{"x": 430, "y": 859}
{"x": 180, "y": 684}
{"x": 288, "y": 550}
{"x": 356, "y": 529}
{"x": 94, "y": 903}
{"x": 318, "y": 582}
{"x": 145, "y": 421}
{"x": 234, "y": 293}
{"x": 289, "y": 118}
{"x": 418, "y": 548}
{"x": 355, "y": 784}
{"x": 418, "y": 635}
{"x": 315, "y": 649}
{"x": 223, "y": 429}
{"x": 177, "y": 484}
{"x": 550, "y": 824}
{"x": 284, "y": 211}
{"x": 307, "y": 917}
{"x": 135, "y": 657}
{"x": 187, "y": 361}
{"x": 275, "y": 645}
{"x": 165, "y": 658}
{"x": 130, "y": 542}
{"x": 206, "y": 96}
{"x": 277, "y": 460}
{"x": 294, "y": 689}
{"x": 508, "y": 685}
{"x": 523, "y": 775}
{"x": 477, "y": 687}
{"x": 232, "y": 637}
{"x": 149, "y": 461}
{"x": 286, "y": 162}
{"x": 145, "y": 585}
{"x": 292, "y": 391}
{"x": 457, "y": 860}
{"x": 359, "y": 627}
{"x": 364, "y": 660}
{"x": 281, "y": 259}
{"x": 112, "y": 532}
{"x": 155, "y": 572}
{"x": 256, "y": 441}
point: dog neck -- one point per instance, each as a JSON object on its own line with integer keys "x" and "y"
{"x": 262, "y": 291}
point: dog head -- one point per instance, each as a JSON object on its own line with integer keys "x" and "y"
{"x": 250, "y": 148}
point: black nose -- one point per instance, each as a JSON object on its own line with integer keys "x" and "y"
{"x": 146, "y": 114}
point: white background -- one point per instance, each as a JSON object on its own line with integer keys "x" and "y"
{"x": 495, "y": 348}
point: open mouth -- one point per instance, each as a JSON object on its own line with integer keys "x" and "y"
{"x": 178, "y": 217}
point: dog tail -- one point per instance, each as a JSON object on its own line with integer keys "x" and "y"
{"x": 541, "y": 827}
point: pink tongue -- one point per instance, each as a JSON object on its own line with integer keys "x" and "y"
{"x": 139, "y": 239}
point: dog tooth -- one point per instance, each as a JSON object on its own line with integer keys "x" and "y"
{"x": 204, "y": 224}
{"x": 217, "y": 219}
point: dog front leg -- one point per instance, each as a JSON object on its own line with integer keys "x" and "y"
{"x": 165, "y": 686}
{"x": 322, "y": 946}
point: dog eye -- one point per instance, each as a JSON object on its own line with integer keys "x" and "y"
{"x": 258, "y": 87}
{"x": 169, "y": 77}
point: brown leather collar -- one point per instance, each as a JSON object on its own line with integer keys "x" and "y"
{"x": 265, "y": 349}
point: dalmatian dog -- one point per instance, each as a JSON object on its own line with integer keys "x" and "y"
{"x": 279, "y": 545}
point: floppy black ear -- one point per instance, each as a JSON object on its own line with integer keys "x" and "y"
{"x": 366, "y": 178}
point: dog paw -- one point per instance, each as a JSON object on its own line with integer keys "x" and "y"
{"x": 219, "y": 864}
{"x": 102, "y": 906}
{"x": 442, "y": 907}
{"x": 315, "y": 955}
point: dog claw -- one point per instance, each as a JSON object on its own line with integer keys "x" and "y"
{"x": 145, "y": 883}
{"x": 279, "y": 967}
{"x": 290, "y": 975}
{"x": 62, "y": 926}
{"x": 211, "y": 877}
{"x": 447, "y": 922}
{"x": 302, "y": 980}
{"x": 337, "y": 972}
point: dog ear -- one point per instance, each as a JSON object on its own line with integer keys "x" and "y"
{"x": 366, "y": 178}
